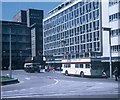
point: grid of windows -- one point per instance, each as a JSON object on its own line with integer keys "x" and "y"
{"x": 115, "y": 48}
{"x": 114, "y": 17}
{"x": 113, "y": 2}
{"x": 78, "y": 26}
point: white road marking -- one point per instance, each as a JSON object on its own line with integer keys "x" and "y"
{"x": 56, "y": 81}
{"x": 72, "y": 77}
{"x": 15, "y": 90}
{"x": 8, "y": 91}
{"x": 73, "y": 91}
{"x": 21, "y": 81}
{"x": 27, "y": 78}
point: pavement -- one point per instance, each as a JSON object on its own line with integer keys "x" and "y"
{"x": 57, "y": 85}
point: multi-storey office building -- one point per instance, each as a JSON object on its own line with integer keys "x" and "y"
{"x": 36, "y": 39}
{"x": 20, "y": 41}
{"x": 112, "y": 21}
{"x": 74, "y": 30}
{"x": 27, "y": 37}
{"x": 34, "y": 16}
{"x": 34, "y": 19}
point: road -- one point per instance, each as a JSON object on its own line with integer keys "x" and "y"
{"x": 57, "y": 85}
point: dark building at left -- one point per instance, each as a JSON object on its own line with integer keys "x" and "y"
{"x": 26, "y": 37}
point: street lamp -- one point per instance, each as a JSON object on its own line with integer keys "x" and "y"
{"x": 10, "y": 63}
{"x": 110, "y": 58}
{"x": 4, "y": 58}
{"x": 21, "y": 61}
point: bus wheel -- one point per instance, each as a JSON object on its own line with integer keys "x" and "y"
{"x": 81, "y": 74}
{"x": 66, "y": 73}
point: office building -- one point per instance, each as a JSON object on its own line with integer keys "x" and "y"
{"x": 34, "y": 19}
{"x": 74, "y": 30}
{"x": 20, "y": 41}
{"x": 26, "y": 37}
{"x": 34, "y": 16}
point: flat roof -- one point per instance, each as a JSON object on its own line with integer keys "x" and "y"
{"x": 12, "y": 22}
{"x": 72, "y": 2}
{"x": 62, "y": 5}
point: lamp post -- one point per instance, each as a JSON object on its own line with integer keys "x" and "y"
{"x": 110, "y": 58}
{"x": 21, "y": 61}
{"x": 4, "y": 57}
{"x": 10, "y": 59}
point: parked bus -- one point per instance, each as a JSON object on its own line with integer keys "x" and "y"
{"x": 82, "y": 67}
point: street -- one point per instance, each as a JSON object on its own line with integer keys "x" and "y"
{"x": 55, "y": 84}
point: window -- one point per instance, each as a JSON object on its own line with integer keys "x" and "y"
{"x": 77, "y": 21}
{"x": 87, "y": 17}
{"x": 77, "y": 40}
{"x": 77, "y": 30}
{"x": 115, "y": 48}
{"x": 111, "y": 2}
{"x": 94, "y": 15}
{"x": 78, "y": 65}
{"x": 88, "y": 66}
{"x": 83, "y": 28}
{"x": 77, "y": 48}
{"x": 115, "y": 32}
{"x": 83, "y": 18}
{"x": 87, "y": 27}
{"x": 96, "y": 25}
{"x": 5, "y": 30}
{"x": 90, "y": 16}
{"x": 66, "y": 65}
{"x": 115, "y": 16}
{"x": 71, "y": 41}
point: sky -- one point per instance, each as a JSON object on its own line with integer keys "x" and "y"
{"x": 9, "y": 9}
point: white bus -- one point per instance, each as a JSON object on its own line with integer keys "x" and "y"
{"x": 82, "y": 67}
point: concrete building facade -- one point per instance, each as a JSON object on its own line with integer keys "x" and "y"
{"x": 74, "y": 30}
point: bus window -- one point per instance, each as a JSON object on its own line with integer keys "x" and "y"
{"x": 88, "y": 66}
{"x": 78, "y": 65}
{"x": 81, "y": 65}
{"x": 66, "y": 65}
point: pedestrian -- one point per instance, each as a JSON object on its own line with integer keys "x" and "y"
{"x": 104, "y": 73}
{"x": 115, "y": 72}
{"x": 53, "y": 69}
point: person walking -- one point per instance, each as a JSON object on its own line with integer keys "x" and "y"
{"x": 104, "y": 73}
{"x": 116, "y": 73}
